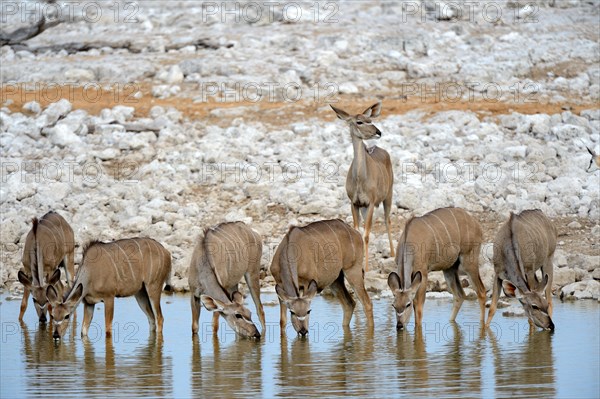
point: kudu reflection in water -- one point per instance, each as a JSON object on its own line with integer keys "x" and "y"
{"x": 527, "y": 368}
{"x": 44, "y": 360}
{"x": 234, "y": 369}
{"x": 146, "y": 370}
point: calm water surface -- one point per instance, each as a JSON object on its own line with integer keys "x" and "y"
{"x": 445, "y": 360}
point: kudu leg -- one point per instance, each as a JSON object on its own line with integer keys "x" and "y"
{"x": 454, "y": 286}
{"x": 24, "y": 302}
{"x": 471, "y": 266}
{"x": 196, "y": 307}
{"x": 282, "y": 317}
{"x": 419, "y": 300}
{"x": 339, "y": 289}
{"x": 368, "y": 223}
{"x": 88, "y": 314}
{"x": 154, "y": 296}
{"x": 144, "y": 303}
{"x": 495, "y": 295}
{"x": 387, "y": 207}
{"x": 109, "y": 312}
{"x": 215, "y": 323}
{"x": 253, "y": 281}
{"x": 355, "y": 216}
{"x": 548, "y": 269}
{"x": 356, "y": 280}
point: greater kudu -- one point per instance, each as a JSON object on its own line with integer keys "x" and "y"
{"x": 441, "y": 240}
{"x": 222, "y": 256}
{"x": 370, "y": 179}
{"x": 122, "y": 268}
{"x": 524, "y": 244}
{"x": 313, "y": 257}
{"x": 49, "y": 245}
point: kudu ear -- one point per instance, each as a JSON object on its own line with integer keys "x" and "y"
{"x": 75, "y": 295}
{"x": 393, "y": 281}
{"x": 52, "y": 295}
{"x": 373, "y": 111}
{"x": 237, "y": 298}
{"x": 509, "y": 288}
{"x": 311, "y": 291}
{"x": 55, "y": 278}
{"x": 281, "y": 293}
{"x": 341, "y": 114}
{"x": 26, "y": 281}
{"x": 417, "y": 277}
{"x": 592, "y": 153}
{"x": 212, "y": 304}
{"x": 542, "y": 285}
{"x": 415, "y": 283}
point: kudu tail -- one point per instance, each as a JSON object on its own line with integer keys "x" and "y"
{"x": 168, "y": 286}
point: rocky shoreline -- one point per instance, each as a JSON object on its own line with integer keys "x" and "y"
{"x": 181, "y": 119}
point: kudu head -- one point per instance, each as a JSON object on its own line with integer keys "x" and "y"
{"x": 534, "y": 304}
{"x": 403, "y": 297}
{"x": 361, "y": 125}
{"x": 62, "y": 307}
{"x": 235, "y": 314}
{"x": 38, "y": 291}
{"x": 299, "y": 306}
{"x": 594, "y": 162}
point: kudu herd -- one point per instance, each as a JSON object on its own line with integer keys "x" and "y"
{"x": 309, "y": 258}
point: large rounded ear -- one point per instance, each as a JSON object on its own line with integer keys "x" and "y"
{"x": 415, "y": 283}
{"x": 417, "y": 277}
{"x": 509, "y": 289}
{"x": 341, "y": 114}
{"x": 542, "y": 285}
{"x": 75, "y": 295}
{"x": 212, "y": 304}
{"x": 52, "y": 295}
{"x": 393, "y": 281}
{"x": 55, "y": 278}
{"x": 312, "y": 290}
{"x": 237, "y": 298}
{"x": 26, "y": 281}
{"x": 281, "y": 293}
{"x": 373, "y": 111}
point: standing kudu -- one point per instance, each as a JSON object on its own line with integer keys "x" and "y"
{"x": 313, "y": 257}
{"x": 122, "y": 268}
{"x": 441, "y": 240}
{"x": 370, "y": 179}
{"x": 594, "y": 162}
{"x": 50, "y": 244}
{"x": 524, "y": 244}
{"x": 222, "y": 256}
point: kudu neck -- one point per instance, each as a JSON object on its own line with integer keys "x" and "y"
{"x": 360, "y": 154}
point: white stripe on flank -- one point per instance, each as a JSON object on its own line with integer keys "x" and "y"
{"x": 338, "y": 249}
{"x": 151, "y": 259}
{"x": 445, "y": 228}
{"x": 347, "y": 228}
{"x": 230, "y": 238}
{"x": 127, "y": 258}
{"x": 321, "y": 243}
{"x": 457, "y": 229}
{"x": 112, "y": 260}
{"x": 437, "y": 247}
{"x": 142, "y": 259}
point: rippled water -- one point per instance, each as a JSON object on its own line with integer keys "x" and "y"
{"x": 445, "y": 360}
